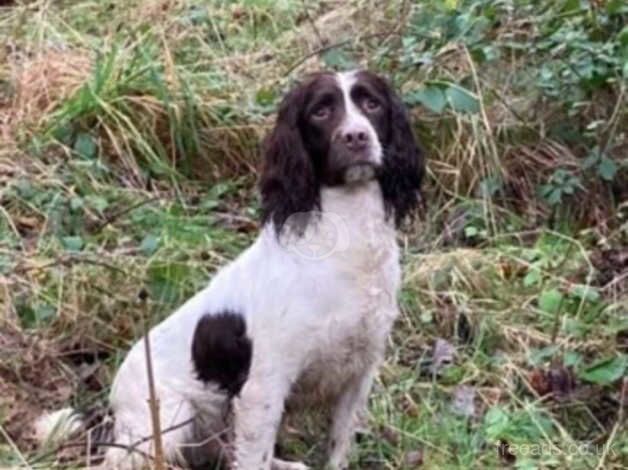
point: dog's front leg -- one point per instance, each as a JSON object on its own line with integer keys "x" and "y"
{"x": 257, "y": 414}
{"x": 346, "y": 415}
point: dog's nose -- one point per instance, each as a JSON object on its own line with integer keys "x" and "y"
{"x": 355, "y": 140}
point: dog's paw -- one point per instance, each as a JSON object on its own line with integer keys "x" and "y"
{"x": 279, "y": 464}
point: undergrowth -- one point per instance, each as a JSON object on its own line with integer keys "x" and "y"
{"x": 129, "y": 145}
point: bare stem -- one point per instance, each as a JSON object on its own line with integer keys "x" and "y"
{"x": 153, "y": 403}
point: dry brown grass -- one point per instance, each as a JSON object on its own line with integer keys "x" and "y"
{"x": 41, "y": 84}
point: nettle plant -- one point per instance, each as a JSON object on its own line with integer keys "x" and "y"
{"x": 570, "y": 62}
{"x": 561, "y": 183}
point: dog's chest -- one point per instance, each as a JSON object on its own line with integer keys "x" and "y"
{"x": 345, "y": 343}
{"x": 348, "y": 279}
{"x": 358, "y": 299}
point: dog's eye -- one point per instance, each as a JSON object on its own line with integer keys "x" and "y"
{"x": 371, "y": 105}
{"x": 321, "y": 112}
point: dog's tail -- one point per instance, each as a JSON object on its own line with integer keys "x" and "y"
{"x": 54, "y": 428}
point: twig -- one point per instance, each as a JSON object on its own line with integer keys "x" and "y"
{"x": 13, "y": 446}
{"x": 558, "y": 315}
{"x": 153, "y": 400}
{"x": 335, "y": 45}
{"x": 618, "y": 279}
{"x": 313, "y": 24}
{"x": 620, "y": 418}
{"x": 611, "y": 127}
{"x": 115, "y": 445}
{"x": 122, "y": 212}
{"x": 128, "y": 447}
{"x": 68, "y": 260}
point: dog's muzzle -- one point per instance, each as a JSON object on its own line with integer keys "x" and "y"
{"x": 360, "y": 172}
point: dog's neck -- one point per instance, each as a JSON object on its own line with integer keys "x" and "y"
{"x": 354, "y": 203}
{"x": 350, "y": 224}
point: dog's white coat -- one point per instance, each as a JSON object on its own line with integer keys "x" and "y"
{"x": 318, "y": 324}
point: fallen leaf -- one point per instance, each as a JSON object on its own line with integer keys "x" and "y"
{"x": 464, "y": 401}
{"x": 558, "y": 381}
{"x": 443, "y": 355}
{"x": 539, "y": 382}
{"x": 390, "y": 435}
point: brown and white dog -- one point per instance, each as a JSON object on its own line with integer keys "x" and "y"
{"x": 302, "y": 316}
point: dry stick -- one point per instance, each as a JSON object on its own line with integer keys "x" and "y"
{"x": 128, "y": 447}
{"x": 153, "y": 400}
{"x": 98, "y": 444}
{"x": 558, "y": 316}
{"x": 69, "y": 260}
{"x": 108, "y": 220}
{"x": 608, "y": 446}
{"x": 320, "y": 50}
{"x": 487, "y": 125}
{"x": 321, "y": 41}
{"x": 13, "y": 446}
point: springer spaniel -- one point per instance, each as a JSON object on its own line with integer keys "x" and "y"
{"x": 302, "y": 316}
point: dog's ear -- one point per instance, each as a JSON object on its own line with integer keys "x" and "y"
{"x": 288, "y": 182}
{"x": 403, "y": 165}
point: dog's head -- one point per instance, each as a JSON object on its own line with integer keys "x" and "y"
{"x": 339, "y": 129}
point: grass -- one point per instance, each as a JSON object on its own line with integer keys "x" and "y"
{"x": 129, "y": 145}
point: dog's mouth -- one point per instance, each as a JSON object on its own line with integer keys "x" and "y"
{"x": 359, "y": 172}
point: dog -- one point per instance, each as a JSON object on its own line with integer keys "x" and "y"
{"x": 302, "y": 316}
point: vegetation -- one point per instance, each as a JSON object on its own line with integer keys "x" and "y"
{"x": 129, "y": 143}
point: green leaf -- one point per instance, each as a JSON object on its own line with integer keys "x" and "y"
{"x": 32, "y": 315}
{"x": 25, "y": 188}
{"x": 555, "y": 196}
{"x": 338, "y": 59}
{"x": 265, "y": 97}
{"x": 150, "y": 244}
{"x": 63, "y": 134}
{"x": 470, "y": 231}
{"x": 606, "y": 371}
{"x": 496, "y": 423}
{"x": 571, "y": 6}
{"x": 426, "y": 317}
{"x": 461, "y": 100}
{"x": 550, "y": 300}
{"x": 532, "y": 278}
{"x": 572, "y": 359}
{"x": 97, "y": 202}
{"x": 526, "y": 463}
{"x": 76, "y": 203}
{"x": 539, "y": 356}
{"x": 72, "y": 243}
{"x": 432, "y": 97}
{"x": 614, "y": 7}
{"x": 585, "y": 292}
{"x": 607, "y": 169}
{"x": 85, "y": 146}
